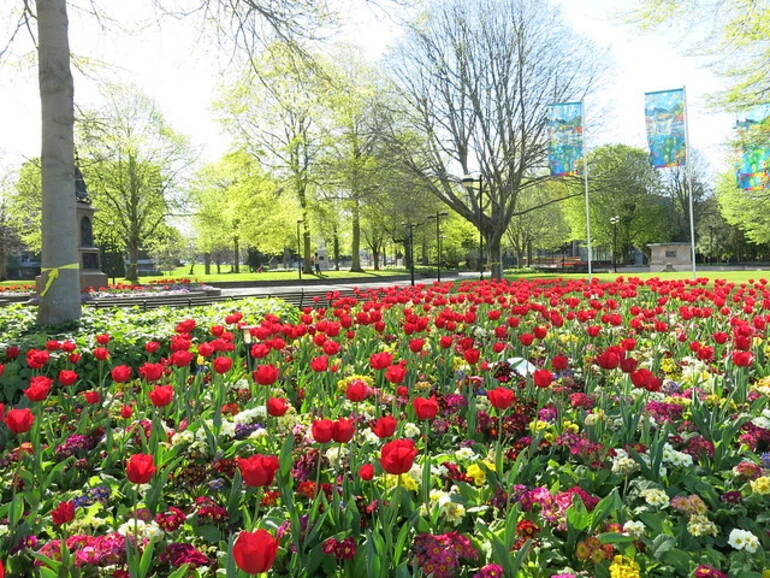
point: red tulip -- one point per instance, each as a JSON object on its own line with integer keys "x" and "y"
{"x": 366, "y": 472}
{"x": 161, "y": 395}
{"x": 343, "y": 430}
{"x": 542, "y": 377}
{"x": 385, "y": 427}
{"x": 101, "y": 353}
{"x": 425, "y": 408}
{"x": 277, "y": 406}
{"x": 151, "y": 371}
{"x": 559, "y": 362}
{"x": 103, "y": 339}
{"x": 357, "y": 391}
{"x": 67, "y": 377}
{"x": 222, "y": 364}
{"x": 526, "y": 339}
{"x": 322, "y": 430}
{"x": 126, "y": 411}
{"x": 64, "y": 512}
{"x": 121, "y": 373}
{"x": 254, "y": 552}
{"x": 471, "y": 356}
{"x": 398, "y": 456}
{"x": 395, "y": 374}
{"x": 380, "y": 361}
{"x": 742, "y": 358}
{"x": 19, "y": 420}
{"x": 258, "y": 470}
{"x": 39, "y": 388}
{"x": 265, "y": 374}
{"x": 181, "y": 358}
{"x": 320, "y": 364}
{"x": 92, "y": 397}
{"x": 140, "y": 468}
{"x": 501, "y": 397}
{"x": 36, "y": 358}
{"x": 151, "y": 346}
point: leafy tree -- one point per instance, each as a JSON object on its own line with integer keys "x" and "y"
{"x": 136, "y": 168}
{"x": 622, "y": 184}
{"x": 737, "y": 39}
{"x": 537, "y": 224}
{"x": 475, "y": 77}
{"x": 25, "y": 204}
{"x": 237, "y": 202}
{"x": 272, "y": 113}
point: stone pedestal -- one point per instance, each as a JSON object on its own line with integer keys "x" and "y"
{"x": 88, "y": 254}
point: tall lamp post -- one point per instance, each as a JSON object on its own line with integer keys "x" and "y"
{"x": 614, "y": 222}
{"x": 438, "y": 216}
{"x": 468, "y": 181}
{"x": 299, "y": 251}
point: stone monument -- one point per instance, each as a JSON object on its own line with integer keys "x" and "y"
{"x": 88, "y": 253}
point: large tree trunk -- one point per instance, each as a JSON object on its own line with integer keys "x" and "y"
{"x": 60, "y": 259}
{"x": 495, "y": 255}
{"x": 355, "y": 263}
{"x": 207, "y": 263}
{"x": 132, "y": 272}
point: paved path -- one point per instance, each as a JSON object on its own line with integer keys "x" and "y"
{"x": 340, "y": 285}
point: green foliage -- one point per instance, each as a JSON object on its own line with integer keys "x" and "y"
{"x": 235, "y": 197}
{"x": 622, "y": 183}
{"x": 736, "y": 36}
{"x": 25, "y": 204}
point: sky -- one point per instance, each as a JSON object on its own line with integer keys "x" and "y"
{"x": 182, "y": 71}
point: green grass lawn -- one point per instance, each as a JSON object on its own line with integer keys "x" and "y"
{"x": 182, "y": 272}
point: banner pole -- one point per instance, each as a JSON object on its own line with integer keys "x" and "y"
{"x": 588, "y": 211}
{"x": 688, "y": 173}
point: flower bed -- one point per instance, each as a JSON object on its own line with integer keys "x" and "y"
{"x": 533, "y": 429}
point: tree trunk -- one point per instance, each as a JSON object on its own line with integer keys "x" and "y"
{"x": 355, "y": 263}
{"x": 132, "y": 272}
{"x": 307, "y": 268}
{"x": 336, "y": 249}
{"x": 495, "y": 256}
{"x": 237, "y": 256}
{"x": 207, "y": 263}
{"x": 60, "y": 280}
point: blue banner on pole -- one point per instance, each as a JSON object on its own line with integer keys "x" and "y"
{"x": 664, "y": 117}
{"x": 753, "y": 128}
{"x": 565, "y": 131}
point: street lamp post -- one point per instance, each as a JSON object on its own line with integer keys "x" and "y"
{"x": 299, "y": 251}
{"x": 438, "y": 216}
{"x": 614, "y": 222}
{"x": 468, "y": 182}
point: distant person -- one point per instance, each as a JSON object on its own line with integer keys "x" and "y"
{"x": 316, "y": 264}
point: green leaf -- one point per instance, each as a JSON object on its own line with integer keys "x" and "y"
{"x": 210, "y": 533}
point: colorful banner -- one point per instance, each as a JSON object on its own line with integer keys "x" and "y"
{"x": 664, "y": 116}
{"x": 753, "y": 173}
{"x": 565, "y": 132}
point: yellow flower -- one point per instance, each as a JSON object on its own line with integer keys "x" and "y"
{"x": 567, "y": 425}
{"x": 761, "y": 485}
{"x": 478, "y": 474}
{"x": 537, "y": 425}
{"x": 667, "y": 365}
{"x": 407, "y": 482}
{"x": 624, "y": 567}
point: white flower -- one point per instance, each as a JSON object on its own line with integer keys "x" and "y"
{"x": 466, "y": 454}
{"x": 700, "y": 525}
{"x": 258, "y": 434}
{"x": 249, "y": 416}
{"x": 655, "y": 498}
{"x": 743, "y": 540}
{"x": 141, "y": 528}
{"x": 634, "y": 529}
{"x": 411, "y": 430}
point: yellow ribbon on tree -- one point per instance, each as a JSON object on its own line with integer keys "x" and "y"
{"x": 53, "y": 274}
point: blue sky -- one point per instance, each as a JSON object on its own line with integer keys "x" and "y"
{"x": 183, "y": 78}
